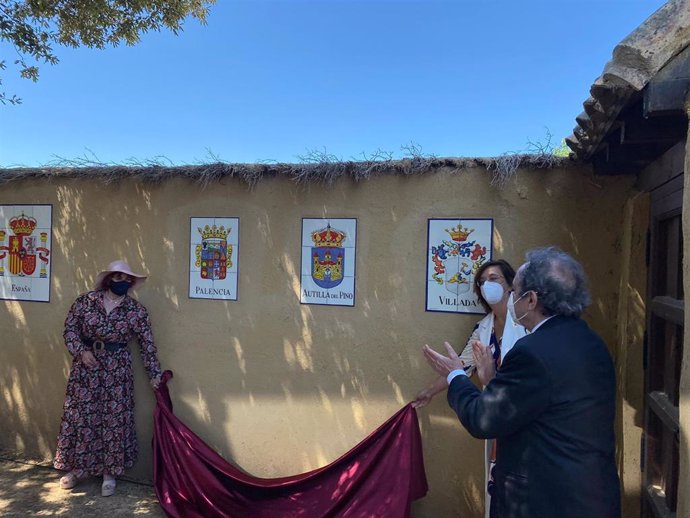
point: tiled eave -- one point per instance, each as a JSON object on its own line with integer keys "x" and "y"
{"x": 636, "y": 60}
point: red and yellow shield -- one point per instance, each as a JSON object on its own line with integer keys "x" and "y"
{"x": 22, "y": 254}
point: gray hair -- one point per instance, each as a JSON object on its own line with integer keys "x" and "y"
{"x": 558, "y": 279}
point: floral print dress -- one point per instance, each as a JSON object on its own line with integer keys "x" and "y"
{"x": 97, "y": 433}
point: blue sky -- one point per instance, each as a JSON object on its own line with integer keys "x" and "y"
{"x": 271, "y": 80}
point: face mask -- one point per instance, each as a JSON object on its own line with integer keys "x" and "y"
{"x": 492, "y": 292}
{"x": 511, "y": 306}
{"x": 120, "y": 287}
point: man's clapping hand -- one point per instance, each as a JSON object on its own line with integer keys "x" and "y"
{"x": 443, "y": 364}
{"x": 484, "y": 362}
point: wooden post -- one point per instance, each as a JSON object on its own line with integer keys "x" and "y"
{"x": 683, "y": 508}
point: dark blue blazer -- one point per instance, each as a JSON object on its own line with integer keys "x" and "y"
{"x": 551, "y": 408}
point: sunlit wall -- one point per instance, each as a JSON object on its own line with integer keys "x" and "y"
{"x": 279, "y": 387}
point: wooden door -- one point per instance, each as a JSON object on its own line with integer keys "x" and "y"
{"x": 663, "y": 352}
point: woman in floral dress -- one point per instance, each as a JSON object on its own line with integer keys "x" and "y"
{"x": 97, "y": 433}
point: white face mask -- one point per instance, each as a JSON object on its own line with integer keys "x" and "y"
{"x": 492, "y": 292}
{"x": 511, "y": 306}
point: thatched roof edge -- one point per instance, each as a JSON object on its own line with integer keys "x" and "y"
{"x": 502, "y": 168}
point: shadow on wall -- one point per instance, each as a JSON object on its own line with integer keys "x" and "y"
{"x": 275, "y": 386}
{"x": 33, "y": 365}
{"x": 32, "y": 379}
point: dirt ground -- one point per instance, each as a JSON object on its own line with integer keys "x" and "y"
{"x": 28, "y": 490}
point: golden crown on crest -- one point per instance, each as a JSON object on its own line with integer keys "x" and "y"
{"x": 22, "y": 225}
{"x": 328, "y": 237}
{"x": 459, "y": 233}
{"x": 214, "y": 232}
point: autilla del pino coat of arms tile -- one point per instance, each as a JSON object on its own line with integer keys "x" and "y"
{"x": 25, "y": 245}
{"x": 213, "y": 258}
{"x": 328, "y": 261}
{"x": 456, "y": 248}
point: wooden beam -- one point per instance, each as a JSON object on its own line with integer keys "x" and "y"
{"x": 617, "y": 152}
{"x": 605, "y": 167}
{"x": 668, "y": 166}
{"x": 663, "y": 98}
{"x": 666, "y": 92}
{"x": 670, "y": 309}
{"x": 657, "y": 130}
{"x": 623, "y": 153}
{"x": 665, "y": 410}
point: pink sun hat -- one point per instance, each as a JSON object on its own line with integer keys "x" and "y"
{"x": 121, "y": 267}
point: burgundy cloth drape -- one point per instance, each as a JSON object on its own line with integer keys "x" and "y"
{"x": 377, "y": 478}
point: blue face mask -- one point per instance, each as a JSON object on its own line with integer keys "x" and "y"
{"x": 120, "y": 287}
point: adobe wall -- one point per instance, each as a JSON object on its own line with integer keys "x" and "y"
{"x": 276, "y": 386}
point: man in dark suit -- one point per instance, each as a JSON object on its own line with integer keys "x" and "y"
{"x": 551, "y": 405}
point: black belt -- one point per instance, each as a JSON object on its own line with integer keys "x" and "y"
{"x": 97, "y": 345}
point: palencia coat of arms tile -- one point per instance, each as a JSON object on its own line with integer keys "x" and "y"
{"x": 213, "y": 258}
{"x": 456, "y": 248}
{"x": 328, "y": 261}
{"x": 25, "y": 245}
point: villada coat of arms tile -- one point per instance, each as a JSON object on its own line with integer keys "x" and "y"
{"x": 456, "y": 248}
